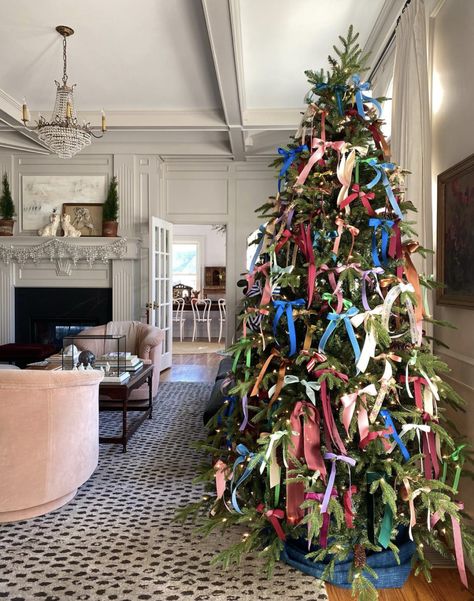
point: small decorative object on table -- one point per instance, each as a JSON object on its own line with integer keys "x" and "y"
{"x": 114, "y": 360}
{"x": 7, "y": 209}
{"x": 110, "y": 211}
{"x": 86, "y": 358}
{"x": 69, "y": 230}
{"x": 50, "y": 228}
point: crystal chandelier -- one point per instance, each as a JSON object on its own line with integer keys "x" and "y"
{"x": 63, "y": 134}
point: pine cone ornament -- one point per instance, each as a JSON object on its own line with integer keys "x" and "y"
{"x": 359, "y": 556}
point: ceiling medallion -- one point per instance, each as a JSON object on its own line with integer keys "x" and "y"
{"x": 63, "y": 134}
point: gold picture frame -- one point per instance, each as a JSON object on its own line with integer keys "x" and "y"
{"x": 87, "y": 218}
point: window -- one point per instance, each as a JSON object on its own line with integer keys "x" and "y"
{"x": 186, "y": 264}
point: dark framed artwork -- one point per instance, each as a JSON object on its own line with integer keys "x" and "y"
{"x": 214, "y": 277}
{"x": 455, "y": 252}
{"x": 87, "y": 218}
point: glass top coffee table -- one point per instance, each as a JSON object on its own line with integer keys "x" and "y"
{"x": 114, "y": 396}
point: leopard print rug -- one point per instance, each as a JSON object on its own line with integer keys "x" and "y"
{"x": 116, "y": 539}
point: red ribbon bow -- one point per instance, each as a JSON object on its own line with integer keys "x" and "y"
{"x": 330, "y": 428}
{"x": 273, "y": 516}
{"x": 364, "y": 197}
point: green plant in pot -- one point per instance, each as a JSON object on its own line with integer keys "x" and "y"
{"x": 110, "y": 210}
{"x": 7, "y": 209}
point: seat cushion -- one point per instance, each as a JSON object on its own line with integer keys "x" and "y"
{"x": 225, "y": 367}
{"x": 218, "y": 395}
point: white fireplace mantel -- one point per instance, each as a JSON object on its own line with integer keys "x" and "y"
{"x": 89, "y": 262}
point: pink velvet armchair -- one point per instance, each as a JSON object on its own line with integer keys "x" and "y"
{"x": 49, "y": 438}
{"x": 142, "y": 340}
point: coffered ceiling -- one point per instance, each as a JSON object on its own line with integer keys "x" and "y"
{"x": 220, "y": 78}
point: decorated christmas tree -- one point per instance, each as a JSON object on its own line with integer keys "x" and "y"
{"x": 334, "y": 428}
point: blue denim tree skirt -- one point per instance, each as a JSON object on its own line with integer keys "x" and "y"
{"x": 390, "y": 574}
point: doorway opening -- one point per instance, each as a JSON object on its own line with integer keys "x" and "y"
{"x": 198, "y": 273}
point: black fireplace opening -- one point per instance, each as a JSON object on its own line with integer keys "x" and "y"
{"x": 47, "y": 315}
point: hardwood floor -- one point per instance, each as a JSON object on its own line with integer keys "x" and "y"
{"x": 445, "y": 586}
{"x": 192, "y": 368}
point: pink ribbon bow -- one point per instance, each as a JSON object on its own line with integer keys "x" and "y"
{"x": 273, "y": 516}
{"x": 330, "y": 428}
{"x": 221, "y": 472}
{"x": 305, "y": 440}
{"x": 341, "y": 225}
{"x": 457, "y": 543}
{"x": 349, "y": 402}
{"x": 267, "y": 290}
{"x": 305, "y": 244}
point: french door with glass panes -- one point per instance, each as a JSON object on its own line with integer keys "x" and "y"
{"x": 161, "y": 241}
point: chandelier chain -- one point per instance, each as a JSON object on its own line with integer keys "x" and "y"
{"x": 64, "y": 60}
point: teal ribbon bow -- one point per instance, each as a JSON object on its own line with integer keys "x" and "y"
{"x": 244, "y": 455}
{"x": 360, "y": 97}
{"x": 380, "y": 173}
{"x": 334, "y": 320}
{"x": 337, "y": 89}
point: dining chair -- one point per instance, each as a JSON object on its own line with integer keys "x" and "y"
{"x": 178, "y": 315}
{"x": 201, "y": 315}
{"x": 222, "y": 315}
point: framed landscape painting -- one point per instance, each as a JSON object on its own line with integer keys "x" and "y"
{"x": 455, "y": 252}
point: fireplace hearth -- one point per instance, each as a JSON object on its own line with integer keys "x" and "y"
{"x": 47, "y": 315}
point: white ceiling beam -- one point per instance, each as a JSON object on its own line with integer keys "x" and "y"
{"x": 10, "y": 112}
{"x": 218, "y": 17}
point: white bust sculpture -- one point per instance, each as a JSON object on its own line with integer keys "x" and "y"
{"x": 69, "y": 230}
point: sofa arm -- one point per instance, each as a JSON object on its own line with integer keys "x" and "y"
{"x": 151, "y": 339}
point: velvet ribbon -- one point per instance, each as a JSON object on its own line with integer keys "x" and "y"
{"x": 371, "y": 436}
{"x": 387, "y": 520}
{"x": 285, "y": 236}
{"x": 286, "y": 307}
{"x": 332, "y": 476}
{"x": 305, "y": 441}
{"x": 323, "y": 533}
{"x": 315, "y": 358}
{"x": 310, "y": 387}
{"x": 360, "y": 97}
{"x": 381, "y": 174}
{"x": 261, "y": 236}
{"x": 458, "y": 548}
{"x": 366, "y": 278}
{"x": 412, "y": 276}
{"x": 332, "y": 433}
{"x": 385, "y": 225}
{"x": 417, "y": 382}
{"x": 349, "y": 400}
{"x": 348, "y": 508}
{"x": 379, "y": 139}
{"x": 389, "y": 424}
{"x": 288, "y": 157}
{"x": 267, "y": 290}
{"x": 364, "y": 197}
{"x": 274, "y": 516}
{"x": 395, "y": 247}
{"x": 431, "y": 452}
{"x": 337, "y": 89}
{"x": 319, "y": 146}
{"x": 456, "y": 457}
{"x": 244, "y": 455}
{"x": 344, "y": 175}
{"x": 334, "y": 320}
{"x": 341, "y": 225}
{"x": 221, "y": 472}
{"x": 305, "y": 244}
{"x": 331, "y": 273}
{"x": 391, "y": 297}
{"x": 430, "y": 391}
{"x": 273, "y": 355}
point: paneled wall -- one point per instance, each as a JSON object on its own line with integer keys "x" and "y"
{"x": 192, "y": 192}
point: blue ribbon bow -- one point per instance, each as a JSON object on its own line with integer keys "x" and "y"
{"x": 385, "y": 224}
{"x": 289, "y": 156}
{"x": 360, "y": 97}
{"x": 389, "y": 424}
{"x": 381, "y": 173}
{"x": 245, "y": 454}
{"x": 287, "y": 307}
{"x": 261, "y": 236}
{"x": 338, "y": 90}
{"x": 334, "y": 320}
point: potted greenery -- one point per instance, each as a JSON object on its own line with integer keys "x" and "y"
{"x": 7, "y": 209}
{"x": 110, "y": 211}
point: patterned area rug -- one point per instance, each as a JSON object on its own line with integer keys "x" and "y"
{"x": 116, "y": 539}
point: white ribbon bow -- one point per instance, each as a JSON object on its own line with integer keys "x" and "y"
{"x": 310, "y": 387}
{"x": 344, "y": 175}
{"x": 370, "y": 342}
{"x": 391, "y": 297}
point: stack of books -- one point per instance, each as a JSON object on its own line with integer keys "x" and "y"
{"x": 127, "y": 361}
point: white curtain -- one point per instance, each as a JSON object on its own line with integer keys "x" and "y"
{"x": 411, "y": 122}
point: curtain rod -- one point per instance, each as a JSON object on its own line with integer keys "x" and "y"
{"x": 388, "y": 45}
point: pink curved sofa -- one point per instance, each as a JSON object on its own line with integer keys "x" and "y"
{"x": 49, "y": 439}
{"x": 142, "y": 340}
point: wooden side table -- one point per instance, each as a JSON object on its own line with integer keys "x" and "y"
{"x": 118, "y": 399}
